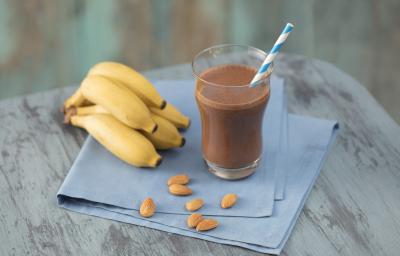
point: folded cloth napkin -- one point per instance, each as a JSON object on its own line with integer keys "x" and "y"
{"x": 98, "y": 176}
{"x": 280, "y": 174}
{"x": 309, "y": 140}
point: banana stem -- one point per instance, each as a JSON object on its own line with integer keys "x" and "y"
{"x": 68, "y": 113}
{"x": 83, "y": 111}
{"x": 76, "y": 100}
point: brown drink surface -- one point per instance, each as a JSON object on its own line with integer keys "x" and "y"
{"x": 231, "y": 114}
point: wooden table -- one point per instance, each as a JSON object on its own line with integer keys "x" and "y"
{"x": 354, "y": 208}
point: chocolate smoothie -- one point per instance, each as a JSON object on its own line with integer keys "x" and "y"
{"x": 231, "y": 114}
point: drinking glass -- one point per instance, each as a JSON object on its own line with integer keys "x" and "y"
{"x": 231, "y": 111}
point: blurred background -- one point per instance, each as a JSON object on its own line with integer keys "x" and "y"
{"x": 52, "y": 43}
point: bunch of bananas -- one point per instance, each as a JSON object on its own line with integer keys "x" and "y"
{"x": 123, "y": 111}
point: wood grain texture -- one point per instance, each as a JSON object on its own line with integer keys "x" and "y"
{"x": 353, "y": 209}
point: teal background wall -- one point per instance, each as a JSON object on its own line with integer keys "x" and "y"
{"x": 52, "y": 43}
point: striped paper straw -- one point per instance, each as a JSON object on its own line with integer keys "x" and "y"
{"x": 271, "y": 55}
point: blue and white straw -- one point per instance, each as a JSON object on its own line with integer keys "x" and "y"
{"x": 271, "y": 55}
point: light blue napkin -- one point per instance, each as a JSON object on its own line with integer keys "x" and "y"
{"x": 309, "y": 140}
{"x": 98, "y": 176}
{"x": 280, "y": 174}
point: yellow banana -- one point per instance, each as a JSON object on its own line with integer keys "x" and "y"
{"x": 167, "y": 135}
{"x": 119, "y": 101}
{"x": 127, "y": 144}
{"x": 173, "y": 115}
{"x": 132, "y": 79}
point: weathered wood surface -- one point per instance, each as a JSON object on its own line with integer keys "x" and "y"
{"x": 52, "y": 43}
{"x": 354, "y": 208}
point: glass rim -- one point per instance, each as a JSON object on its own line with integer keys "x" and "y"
{"x": 197, "y": 76}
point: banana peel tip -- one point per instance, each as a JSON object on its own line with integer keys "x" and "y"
{"x": 159, "y": 161}
{"x": 155, "y": 128}
{"x": 183, "y": 141}
{"x": 163, "y": 104}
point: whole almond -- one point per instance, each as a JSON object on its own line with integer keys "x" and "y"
{"x": 182, "y": 179}
{"x": 206, "y": 224}
{"x": 228, "y": 201}
{"x": 179, "y": 190}
{"x": 194, "y": 205}
{"x": 147, "y": 208}
{"x": 194, "y": 219}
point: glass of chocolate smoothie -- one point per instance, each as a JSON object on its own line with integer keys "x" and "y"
{"x": 231, "y": 111}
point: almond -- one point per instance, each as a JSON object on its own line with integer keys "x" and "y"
{"x": 228, "y": 201}
{"x": 206, "y": 224}
{"x": 180, "y": 190}
{"x": 182, "y": 179}
{"x": 194, "y": 205}
{"x": 194, "y": 219}
{"x": 147, "y": 208}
